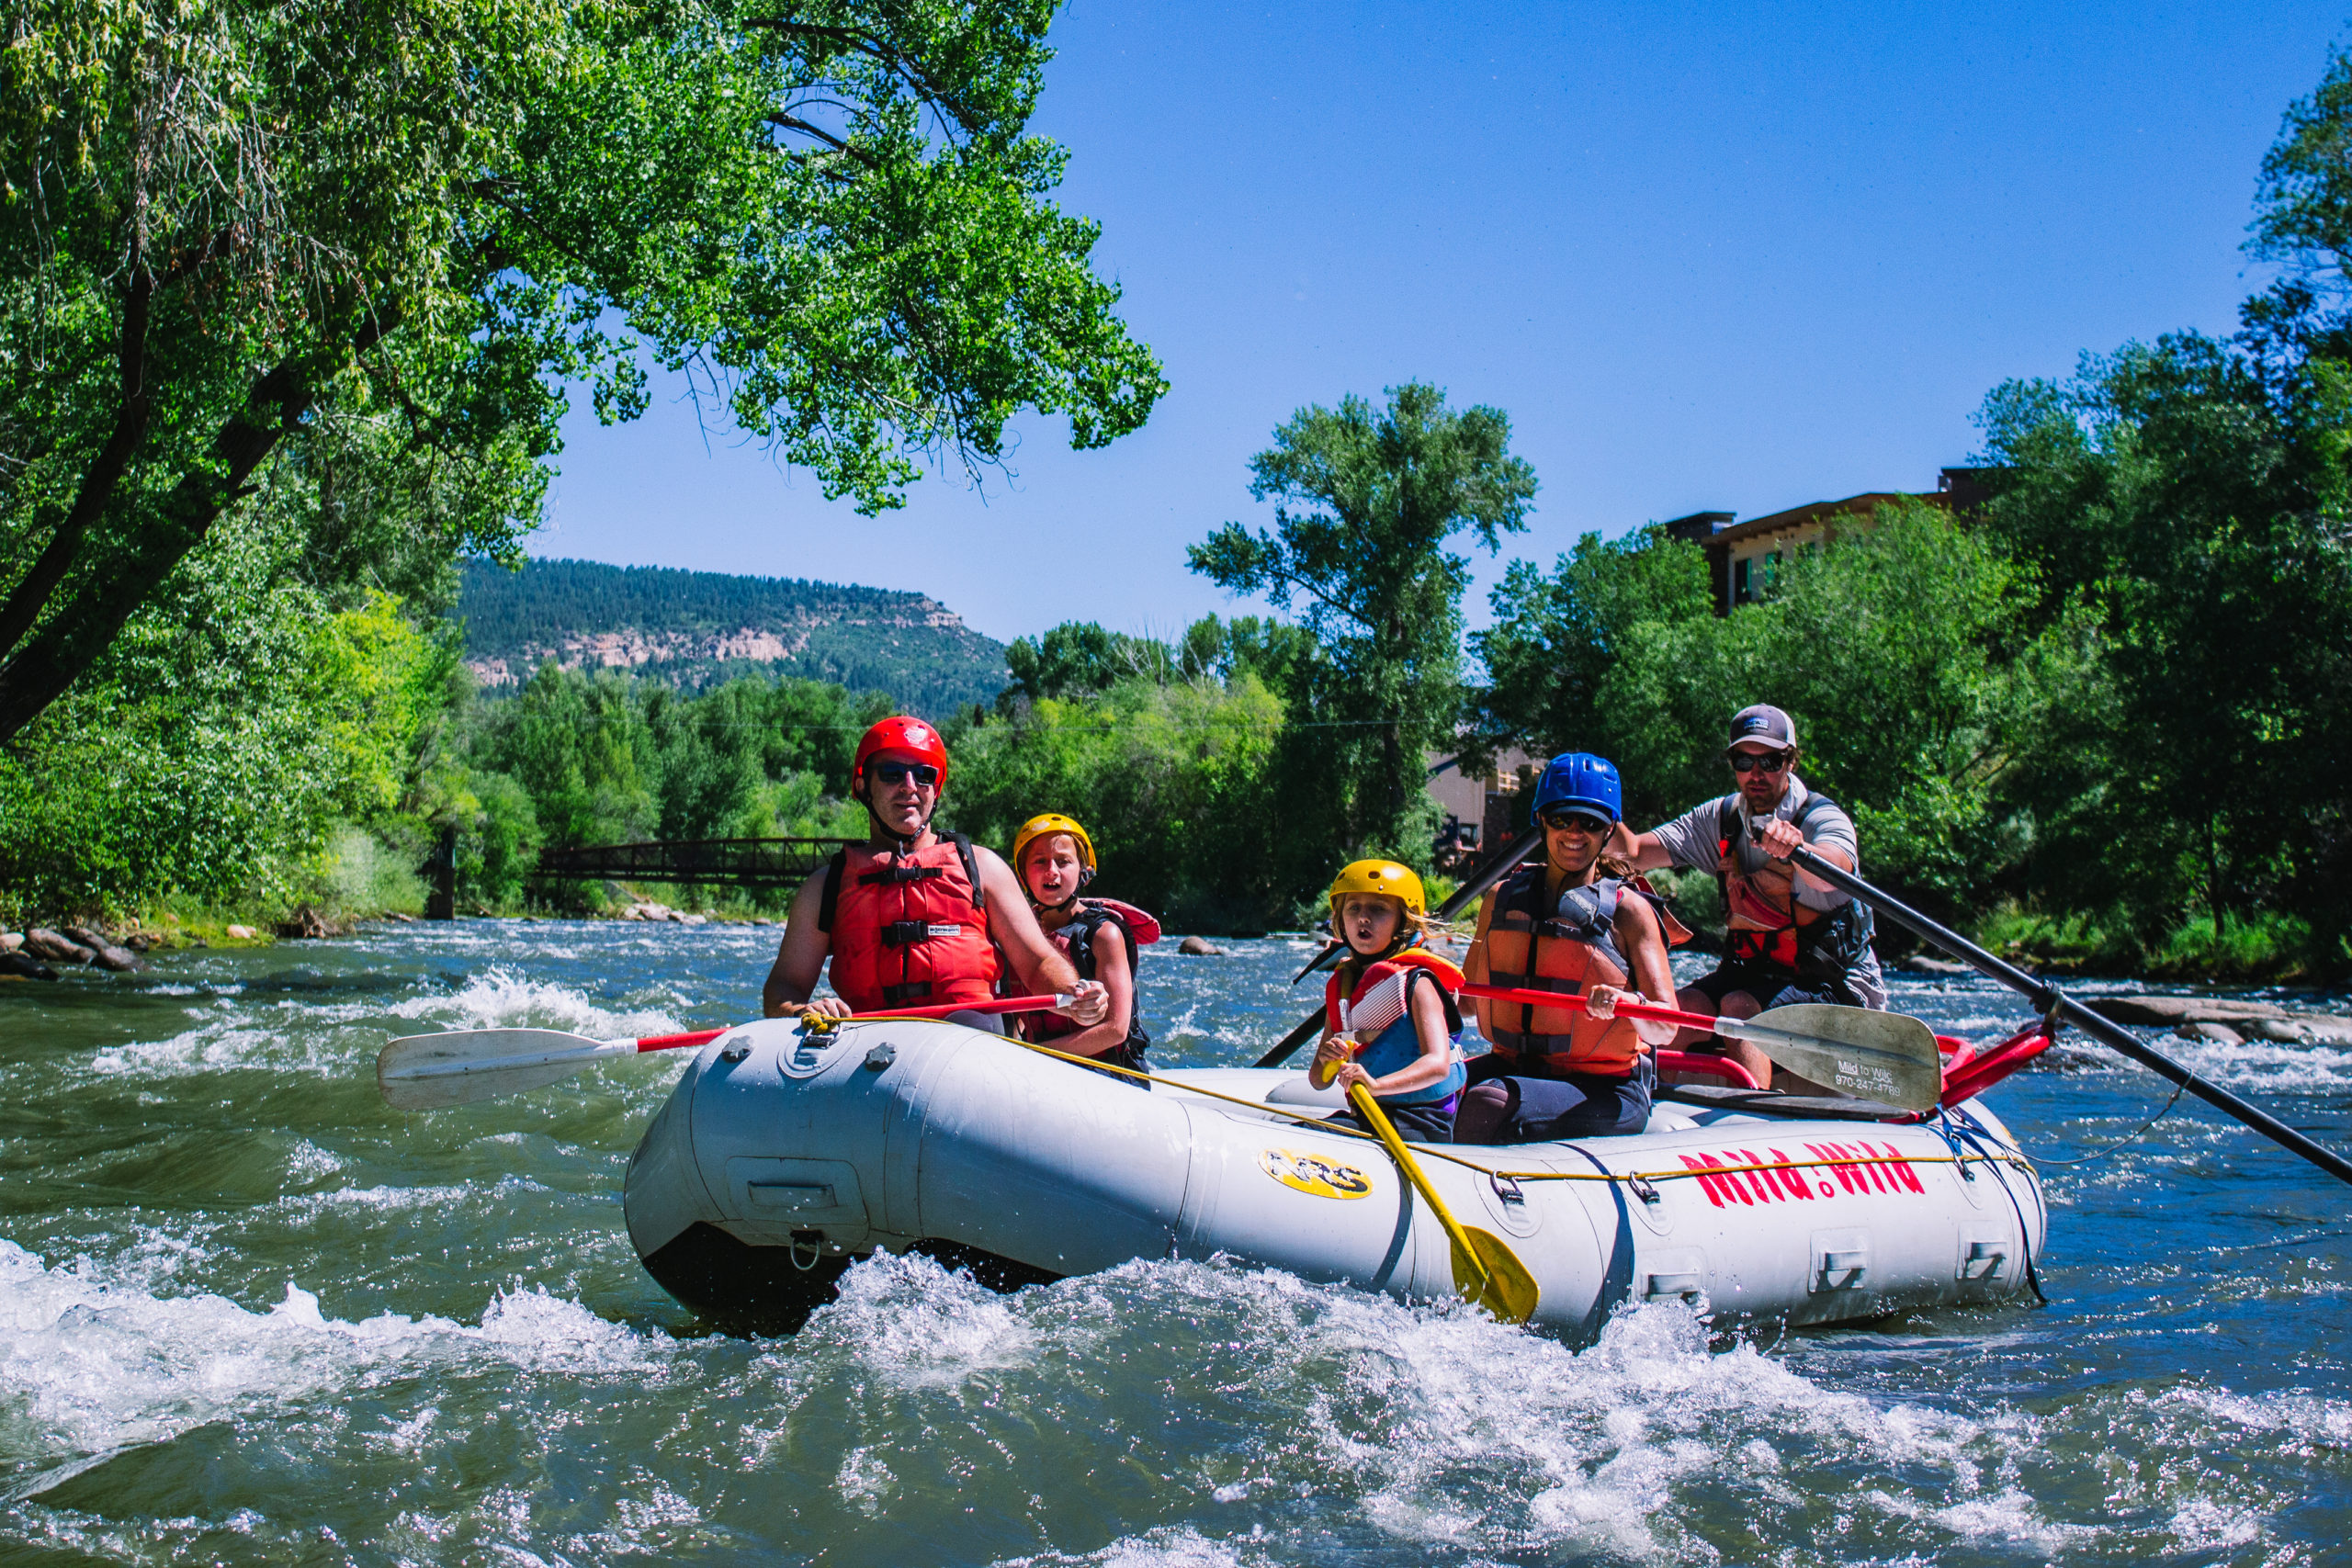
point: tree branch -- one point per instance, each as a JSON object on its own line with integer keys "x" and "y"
{"x": 101, "y": 479}
{"x": 114, "y": 591}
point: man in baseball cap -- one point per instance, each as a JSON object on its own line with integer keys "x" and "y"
{"x": 1788, "y": 938}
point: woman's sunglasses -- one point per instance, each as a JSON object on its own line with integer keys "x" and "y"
{"x": 923, "y": 774}
{"x": 1566, "y": 821}
{"x": 1747, "y": 762}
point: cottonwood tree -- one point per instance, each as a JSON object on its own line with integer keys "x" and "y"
{"x": 1366, "y": 502}
{"x": 378, "y": 236}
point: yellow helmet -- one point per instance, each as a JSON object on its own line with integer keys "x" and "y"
{"x": 1050, "y": 822}
{"x": 1385, "y": 877}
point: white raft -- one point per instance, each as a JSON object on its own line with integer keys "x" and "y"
{"x": 783, "y": 1156}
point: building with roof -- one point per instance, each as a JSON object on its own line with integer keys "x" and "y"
{"x": 1744, "y": 558}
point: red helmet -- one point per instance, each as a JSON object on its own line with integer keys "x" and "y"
{"x": 898, "y": 734}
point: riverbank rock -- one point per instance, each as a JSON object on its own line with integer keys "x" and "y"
{"x": 2302, "y": 1029}
{"x": 1200, "y": 947}
{"x": 11, "y": 940}
{"x": 308, "y": 924}
{"x": 2217, "y": 1034}
{"x": 239, "y": 933}
{"x": 2172, "y": 1011}
{"x": 48, "y": 945}
{"x": 1929, "y": 964}
{"x": 23, "y": 966}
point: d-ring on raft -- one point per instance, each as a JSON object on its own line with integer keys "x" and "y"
{"x": 786, "y": 1142}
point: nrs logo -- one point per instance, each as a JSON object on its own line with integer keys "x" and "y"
{"x": 1314, "y": 1175}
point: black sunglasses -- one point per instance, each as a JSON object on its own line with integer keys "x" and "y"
{"x": 898, "y": 773}
{"x": 1747, "y": 762}
{"x": 1575, "y": 819}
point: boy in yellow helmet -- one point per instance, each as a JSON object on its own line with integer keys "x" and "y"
{"x": 1055, "y": 860}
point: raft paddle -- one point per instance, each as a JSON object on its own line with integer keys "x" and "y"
{"x": 1485, "y": 876}
{"x": 1886, "y": 1057}
{"x": 460, "y": 1066}
{"x": 2055, "y": 1004}
{"x": 1484, "y": 1270}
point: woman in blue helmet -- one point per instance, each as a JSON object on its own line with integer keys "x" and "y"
{"x": 1575, "y": 925}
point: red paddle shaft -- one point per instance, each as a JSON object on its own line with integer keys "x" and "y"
{"x": 1576, "y": 1003}
{"x": 1001, "y": 1004}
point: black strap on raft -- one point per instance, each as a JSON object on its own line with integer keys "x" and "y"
{"x": 829, "y": 900}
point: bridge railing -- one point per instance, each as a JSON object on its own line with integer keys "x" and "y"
{"x": 739, "y": 863}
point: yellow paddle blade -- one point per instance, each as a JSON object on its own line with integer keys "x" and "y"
{"x": 1496, "y": 1279}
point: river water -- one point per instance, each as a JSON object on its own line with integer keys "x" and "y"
{"x": 247, "y": 1315}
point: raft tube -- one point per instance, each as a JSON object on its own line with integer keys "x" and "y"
{"x": 783, "y": 1155}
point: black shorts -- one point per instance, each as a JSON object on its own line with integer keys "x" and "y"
{"x": 1414, "y": 1123}
{"x": 1575, "y": 1105}
{"x": 1772, "y": 986}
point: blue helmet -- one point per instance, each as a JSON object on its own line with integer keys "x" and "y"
{"x": 1579, "y": 778}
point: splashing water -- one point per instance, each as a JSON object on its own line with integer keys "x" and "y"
{"x": 246, "y": 1314}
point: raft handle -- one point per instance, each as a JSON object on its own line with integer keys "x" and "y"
{"x": 1507, "y": 1189}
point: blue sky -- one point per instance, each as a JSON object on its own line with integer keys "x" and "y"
{"x": 1704, "y": 256}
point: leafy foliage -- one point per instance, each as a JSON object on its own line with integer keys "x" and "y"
{"x": 370, "y": 237}
{"x": 1366, "y": 502}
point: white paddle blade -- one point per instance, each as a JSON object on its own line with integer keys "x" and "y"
{"x": 1886, "y": 1057}
{"x": 425, "y": 1072}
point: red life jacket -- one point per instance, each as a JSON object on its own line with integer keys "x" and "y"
{"x": 909, "y": 929}
{"x": 1449, "y": 980}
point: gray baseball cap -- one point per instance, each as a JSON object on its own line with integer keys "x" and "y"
{"x": 1764, "y": 725}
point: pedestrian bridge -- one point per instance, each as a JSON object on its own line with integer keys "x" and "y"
{"x": 734, "y": 863}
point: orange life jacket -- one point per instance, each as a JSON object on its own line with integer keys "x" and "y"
{"x": 1765, "y": 923}
{"x": 1528, "y": 950}
{"x": 909, "y": 929}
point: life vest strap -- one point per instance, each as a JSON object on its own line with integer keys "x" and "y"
{"x": 900, "y": 873}
{"x": 913, "y": 990}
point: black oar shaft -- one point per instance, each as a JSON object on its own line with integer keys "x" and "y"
{"x": 1485, "y": 876}
{"x": 2051, "y": 1001}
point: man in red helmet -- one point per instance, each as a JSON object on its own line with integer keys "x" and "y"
{"x": 913, "y": 917}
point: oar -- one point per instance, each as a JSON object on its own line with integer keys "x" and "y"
{"x": 460, "y": 1066}
{"x": 1885, "y": 1056}
{"x": 2052, "y": 1002}
{"x": 1469, "y": 893}
{"x": 1484, "y": 1270}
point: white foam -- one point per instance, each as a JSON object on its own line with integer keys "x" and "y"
{"x": 98, "y": 1364}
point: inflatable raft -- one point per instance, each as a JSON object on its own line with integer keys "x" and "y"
{"x": 785, "y": 1154}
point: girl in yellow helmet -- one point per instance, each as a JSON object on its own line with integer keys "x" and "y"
{"x": 1055, "y": 860}
{"x": 1390, "y": 1019}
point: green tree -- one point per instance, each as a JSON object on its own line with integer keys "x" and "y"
{"x": 369, "y": 235}
{"x": 1556, "y": 641}
{"x": 1366, "y": 502}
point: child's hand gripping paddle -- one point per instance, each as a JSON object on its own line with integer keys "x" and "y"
{"x": 1381, "y": 1006}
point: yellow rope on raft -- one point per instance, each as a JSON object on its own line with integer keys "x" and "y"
{"x": 1432, "y": 1152}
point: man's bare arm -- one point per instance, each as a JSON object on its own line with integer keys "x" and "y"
{"x": 1041, "y": 967}
{"x": 1640, "y": 850}
{"x": 800, "y": 958}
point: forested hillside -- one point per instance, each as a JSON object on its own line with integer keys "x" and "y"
{"x": 693, "y": 629}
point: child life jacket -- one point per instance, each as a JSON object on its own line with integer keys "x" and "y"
{"x": 1076, "y": 941}
{"x": 1380, "y": 1003}
{"x": 1566, "y": 949}
{"x": 909, "y": 929}
{"x": 1764, "y": 923}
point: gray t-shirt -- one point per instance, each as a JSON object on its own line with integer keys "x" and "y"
{"x": 1691, "y": 839}
{"x": 1689, "y": 843}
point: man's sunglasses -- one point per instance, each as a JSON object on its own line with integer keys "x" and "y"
{"x": 922, "y": 774}
{"x": 1747, "y": 762}
{"x": 1564, "y": 820}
